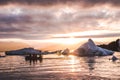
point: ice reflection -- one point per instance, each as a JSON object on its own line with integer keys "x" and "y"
{"x": 91, "y": 64}
{"x": 33, "y": 61}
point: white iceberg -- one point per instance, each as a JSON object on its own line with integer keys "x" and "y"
{"x": 90, "y": 49}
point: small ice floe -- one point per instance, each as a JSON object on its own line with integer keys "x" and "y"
{"x": 114, "y": 58}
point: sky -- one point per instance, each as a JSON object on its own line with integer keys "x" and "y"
{"x": 56, "y": 20}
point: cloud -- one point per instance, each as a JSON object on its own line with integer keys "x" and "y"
{"x": 85, "y": 3}
{"x": 89, "y": 34}
{"x": 32, "y": 22}
{"x": 10, "y": 29}
{"x": 100, "y": 36}
{"x": 11, "y": 23}
{"x": 29, "y": 2}
{"x": 24, "y": 36}
{"x": 13, "y": 19}
{"x": 88, "y": 3}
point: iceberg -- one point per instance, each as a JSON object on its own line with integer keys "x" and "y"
{"x": 23, "y": 51}
{"x": 114, "y": 58}
{"x": 66, "y": 52}
{"x": 90, "y": 49}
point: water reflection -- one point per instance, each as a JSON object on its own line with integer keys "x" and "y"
{"x": 72, "y": 62}
{"x": 33, "y": 60}
{"x": 2, "y": 55}
{"x": 91, "y": 64}
{"x": 58, "y": 66}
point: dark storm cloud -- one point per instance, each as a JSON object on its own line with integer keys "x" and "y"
{"x": 54, "y": 2}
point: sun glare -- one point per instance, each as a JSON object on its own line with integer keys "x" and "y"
{"x": 73, "y": 60}
{"x": 71, "y": 41}
{"x": 68, "y": 41}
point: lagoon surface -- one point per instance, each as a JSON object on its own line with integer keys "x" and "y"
{"x": 54, "y": 67}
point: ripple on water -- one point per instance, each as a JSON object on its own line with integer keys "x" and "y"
{"x": 99, "y": 66}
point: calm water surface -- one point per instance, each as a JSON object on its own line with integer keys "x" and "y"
{"x": 57, "y": 67}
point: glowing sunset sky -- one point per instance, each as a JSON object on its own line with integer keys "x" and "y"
{"x": 51, "y": 19}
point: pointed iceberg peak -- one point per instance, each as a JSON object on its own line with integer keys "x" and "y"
{"x": 91, "y": 42}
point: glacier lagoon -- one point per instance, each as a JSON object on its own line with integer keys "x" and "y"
{"x": 59, "y": 67}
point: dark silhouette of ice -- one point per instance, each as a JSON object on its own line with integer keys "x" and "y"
{"x": 23, "y": 51}
{"x": 114, "y": 45}
{"x": 114, "y": 58}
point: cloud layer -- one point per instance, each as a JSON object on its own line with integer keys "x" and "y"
{"x": 55, "y": 2}
{"x": 36, "y": 22}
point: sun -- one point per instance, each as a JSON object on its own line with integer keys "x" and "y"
{"x": 66, "y": 41}
{"x": 70, "y": 41}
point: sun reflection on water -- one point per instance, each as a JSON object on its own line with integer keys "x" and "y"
{"x": 72, "y": 59}
{"x": 72, "y": 63}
